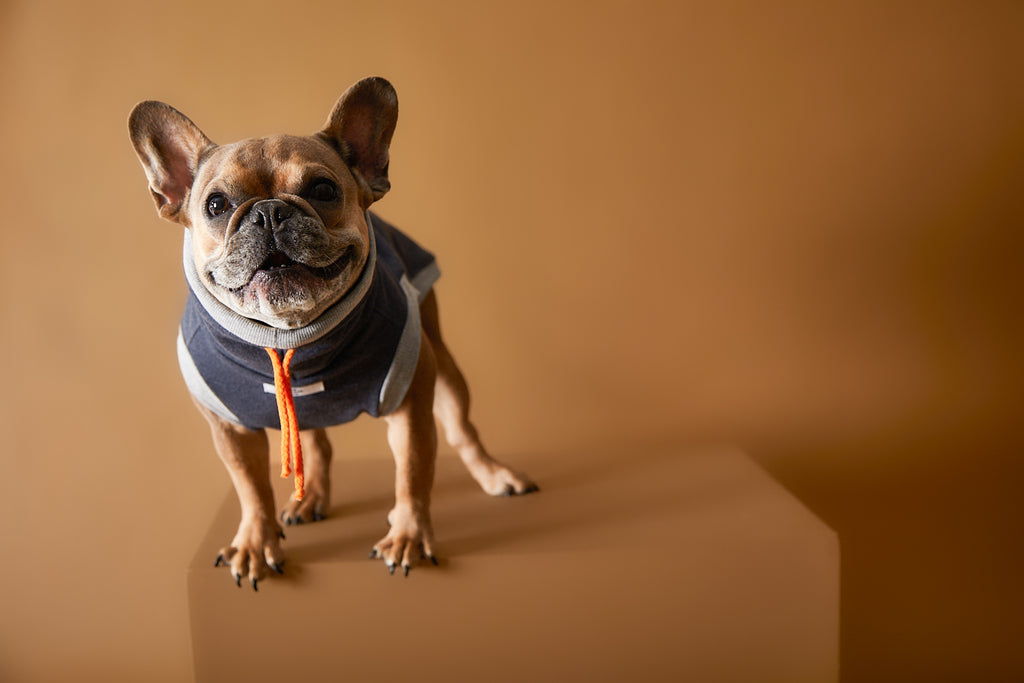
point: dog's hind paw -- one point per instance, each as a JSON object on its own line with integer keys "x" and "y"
{"x": 312, "y": 508}
{"x": 498, "y": 480}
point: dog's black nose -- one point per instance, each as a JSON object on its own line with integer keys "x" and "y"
{"x": 270, "y": 212}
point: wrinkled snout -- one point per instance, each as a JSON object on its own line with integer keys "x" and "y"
{"x": 271, "y": 213}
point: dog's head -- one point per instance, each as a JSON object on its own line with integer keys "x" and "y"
{"x": 278, "y": 223}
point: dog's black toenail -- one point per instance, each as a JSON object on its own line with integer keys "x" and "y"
{"x": 406, "y": 568}
{"x": 433, "y": 559}
{"x": 280, "y": 533}
{"x": 391, "y": 569}
{"x": 254, "y": 582}
{"x": 220, "y": 558}
{"x": 373, "y": 554}
{"x": 277, "y": 568}
{"x": 238, "y": 580}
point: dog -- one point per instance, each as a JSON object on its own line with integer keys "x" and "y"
{"x": 305, "y": 310}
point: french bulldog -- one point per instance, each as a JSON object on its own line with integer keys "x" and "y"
{"x": 305, "y": 310}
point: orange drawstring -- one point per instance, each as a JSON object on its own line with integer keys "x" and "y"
{"x": 291, "y": 449}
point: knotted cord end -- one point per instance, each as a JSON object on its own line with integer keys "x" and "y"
{"x": 291, "y": 447}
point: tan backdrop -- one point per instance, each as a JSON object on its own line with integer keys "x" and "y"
{"x": 795, "y": 228}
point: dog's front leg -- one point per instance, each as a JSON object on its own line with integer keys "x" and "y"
{"x": 412, "y": 436}
{"x": 256, "y": 545}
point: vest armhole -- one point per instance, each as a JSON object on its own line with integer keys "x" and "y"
{"x": 198, "y": 387}
{"x": 403, "y": 365}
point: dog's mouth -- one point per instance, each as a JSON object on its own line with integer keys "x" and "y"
{"x": 278, "y": 263}
{"x": 285, "y": 280}
{"x": 276, "y": 259}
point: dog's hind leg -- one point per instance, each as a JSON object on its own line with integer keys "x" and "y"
{"x": 451, "y": 407}
{"x": 316, "y": 459}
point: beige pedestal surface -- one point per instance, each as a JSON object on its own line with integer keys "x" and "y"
{"x": 686, "y": 565}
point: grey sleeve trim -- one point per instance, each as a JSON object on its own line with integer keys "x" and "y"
{"x": 425, "y": 279}
{"x": 403, "y": 366}
{"x": 198, "y": 386}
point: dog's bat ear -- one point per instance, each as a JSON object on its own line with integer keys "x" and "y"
{"x": 170, "y": 147}
{"x": 360, "y": 127}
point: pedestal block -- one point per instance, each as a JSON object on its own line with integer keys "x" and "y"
{"x": 686, "y": 565}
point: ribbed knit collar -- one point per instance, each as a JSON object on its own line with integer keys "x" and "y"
{"x": 261, "y": 334}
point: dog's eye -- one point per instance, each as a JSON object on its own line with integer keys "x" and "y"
{"x": 217, "y": 204}
{"x": 323, "y": 191}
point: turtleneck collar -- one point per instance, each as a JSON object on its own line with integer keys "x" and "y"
{"x": 261, "y": 334}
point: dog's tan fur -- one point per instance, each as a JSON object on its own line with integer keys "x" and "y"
{"x": 182, "y": 164}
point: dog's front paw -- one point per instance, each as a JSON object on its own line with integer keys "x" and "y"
{"x": 410, "y": 534}
{"x": 256, "y": 546}
{"x": 312, "y": 508}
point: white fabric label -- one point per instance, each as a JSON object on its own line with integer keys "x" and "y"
{"x": 297, "y": 391}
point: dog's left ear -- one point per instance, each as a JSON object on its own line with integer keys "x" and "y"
{"x": 360, "y": 128}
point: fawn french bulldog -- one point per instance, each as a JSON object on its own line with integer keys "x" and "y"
{"x": 304, "y": 311}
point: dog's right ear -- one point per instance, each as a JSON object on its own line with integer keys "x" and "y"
{"x": 170, "y": 147}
